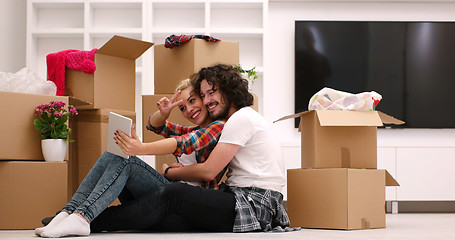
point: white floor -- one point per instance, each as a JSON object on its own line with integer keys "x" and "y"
{"x": 399, "y": 226}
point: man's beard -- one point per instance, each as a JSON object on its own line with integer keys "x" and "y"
{"x": 224, "y": 113}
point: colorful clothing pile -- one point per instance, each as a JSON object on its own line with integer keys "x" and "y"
{"x": 175, "y": 41}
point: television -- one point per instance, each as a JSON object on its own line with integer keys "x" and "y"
{"x": 411, "y": 64}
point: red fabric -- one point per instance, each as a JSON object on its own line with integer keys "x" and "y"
{"x": 56, "y": 69}
{"x": 73, "y": 59}
{"x": 82, "y": 60}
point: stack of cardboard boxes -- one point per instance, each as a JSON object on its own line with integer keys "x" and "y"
{"x": 174, "y": 65}
{"x": 111, "y": 88}
{"x": 30, "y": 187}
{"x": 339, "y": 185}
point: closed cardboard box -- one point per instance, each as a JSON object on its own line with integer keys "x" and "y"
{"x": 20, "y": 139}
{"x": 113, "y": 84}
{"x": 340, "y": 139}
{"x": 90, "y": 133}
{"x": 337, "y": 198}
{"x": 176, "y": 64}
{"x": 31, "y": 191}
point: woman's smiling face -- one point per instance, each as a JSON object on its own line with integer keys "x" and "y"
{"x": 193, "y": 108}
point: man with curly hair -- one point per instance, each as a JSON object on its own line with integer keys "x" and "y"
{"x": 251, "y": 198}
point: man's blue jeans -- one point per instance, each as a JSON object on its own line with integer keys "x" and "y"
{"x": 111, "y": 177}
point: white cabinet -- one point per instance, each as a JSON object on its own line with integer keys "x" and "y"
{"x": 421, "y": 160}
{"x": 426, "y": 174}
{"x": 387, "y": 160}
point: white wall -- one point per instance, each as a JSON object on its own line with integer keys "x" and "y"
{"x": 12, "y": 34}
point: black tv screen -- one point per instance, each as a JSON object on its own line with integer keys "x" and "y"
{"x": 411, "y": 64}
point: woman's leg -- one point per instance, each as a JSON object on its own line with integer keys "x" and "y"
{"x": 204, "y": 209}
{"x": 133, "y": 173}
{"x": 85, "y": 188}
{"x": 119, "y": 173}
{"x": 88, "y": 184}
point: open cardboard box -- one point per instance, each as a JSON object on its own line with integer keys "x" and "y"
{"x": 176, "y": 64}
{"x": 337, "y": 198}
{"x": 20, "y": 140}
{"x": 340, "y": 139}
{"x": 31, "y": 191}
{"x": 113, "y": 84}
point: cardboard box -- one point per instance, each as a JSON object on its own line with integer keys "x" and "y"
{"x": 20, "y": 139}
{"x": 176, "y": 64}
{"x": 113, "y": 84}
{"x": 340, "y": 139}
{"x": 31, "y": 191}
{"x": 90, "y": 133}
{"x": 337, "y": 198}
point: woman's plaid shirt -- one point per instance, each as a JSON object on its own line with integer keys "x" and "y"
{"x": 194, "y": 139}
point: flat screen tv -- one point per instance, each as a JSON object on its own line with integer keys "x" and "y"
{"x": 411, "y": 64}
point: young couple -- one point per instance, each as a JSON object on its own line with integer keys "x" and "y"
{"x": 249, "y": 201}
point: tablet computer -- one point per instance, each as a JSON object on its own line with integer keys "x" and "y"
{"x": 117, "y": 122}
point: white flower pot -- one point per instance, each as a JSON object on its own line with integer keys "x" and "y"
{"x": 54, "y": 150}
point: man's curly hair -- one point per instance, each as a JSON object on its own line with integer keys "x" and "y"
{"x": 233, "y": 87}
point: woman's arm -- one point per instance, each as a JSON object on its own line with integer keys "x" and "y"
{"x": 133, "y": 146}
{"x": 206, "y": 171}
{"x": 196, "y": 140}
{"x": 165, "y": 106}
{"x": 203, "y": 138}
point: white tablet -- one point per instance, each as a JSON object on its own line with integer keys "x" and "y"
{"x": 117, "y": 122}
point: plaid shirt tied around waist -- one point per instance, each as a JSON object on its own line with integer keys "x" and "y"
{"x": 258, "y": 210}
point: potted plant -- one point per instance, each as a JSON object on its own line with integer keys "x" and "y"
{"x": 51, "y": 120}
{"x": 250, "y": 75}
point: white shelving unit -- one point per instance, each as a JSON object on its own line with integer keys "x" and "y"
{"x": 86, "y": 24}
{"x": 53, "y": 26}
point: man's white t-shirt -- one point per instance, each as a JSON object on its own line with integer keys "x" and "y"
{"x": 186, "y": 160}
{"x": 258, "y": 162}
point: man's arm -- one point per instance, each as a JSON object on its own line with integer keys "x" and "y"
{"x": 208, "y": 170}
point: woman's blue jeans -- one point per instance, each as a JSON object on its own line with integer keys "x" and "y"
{"x": 111, "y": 177}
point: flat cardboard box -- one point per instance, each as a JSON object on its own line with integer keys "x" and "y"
{"x": 31, "y": 191}
{"x": 340, "y": 139}
{"x": 113, "y": 84}
{"x": 176, "y": 64}
{"x": 20, "y": 139}
{"x": 90, "y": 133}
{"x": 337, "y": 198}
